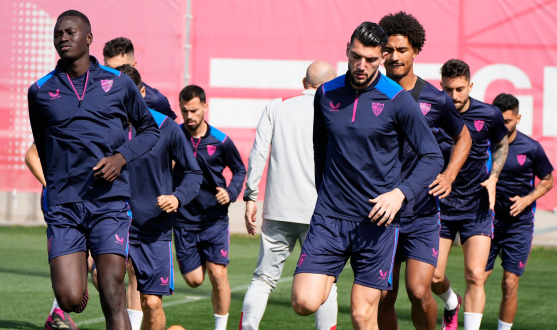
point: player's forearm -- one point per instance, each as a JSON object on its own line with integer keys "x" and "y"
{"x": 256, "y": 166}
{"x": 545, "y": 185}
{"x": 37, "y": 170}
{"x": 459, "y": 153}
{"x": 499, "y": 157}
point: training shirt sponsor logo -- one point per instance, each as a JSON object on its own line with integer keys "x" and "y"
{"x": 106, "y": 85}
{"x": 521, "y": 159}
{"x": 435, "y": 253}
{"x": 425, "y": 107}
{"x": 383, "y": 274}
{"x": 211, "y": 149}
{"x": 301, "y": 260}
{"x": 164, "y": 281}
{"x": 479, "y": 124}
{"x": 119, "y": 240}
{"x": 334, "y": 107}
{"x": 55, "y": 95}
{"x": 223, "y": 253}
{"x": 377, "y": 108}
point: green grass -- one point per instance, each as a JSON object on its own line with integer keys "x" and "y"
{"x": 26, "y": 294}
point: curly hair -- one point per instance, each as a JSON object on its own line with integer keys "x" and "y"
{"x": 406, "y": 25}
{"x": 455, "y": 68}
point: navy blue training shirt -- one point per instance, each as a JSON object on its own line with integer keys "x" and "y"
{"x": 158, "y": 102}
{"x": 151, "y": 177}
{"x": 439, "y": 111}
{"x": 358, "y": 138}
{"x": 525, "y": 160}
{"x": 468, "y": 199}
{"x": 214, "y": 152}
{"x": 73, "y": 135}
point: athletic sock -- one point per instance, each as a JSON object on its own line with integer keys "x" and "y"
{"x": 503, "y": 325}
{"x": 54, "y": 306}
{"x": 135, "y": 318}
{"x": 450, "y": 299}
{"x": 255, "y": 302}
{"x": 472, "y": 321}
{"x": 326, "y": 315}
{"x": 221, "y": 321}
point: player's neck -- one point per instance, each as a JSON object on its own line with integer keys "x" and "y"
{"x": 408, "y": 81}
{"x": 512, "y": 136}
{"x": 200, "y": 131}
{"x": 76, "y": 68}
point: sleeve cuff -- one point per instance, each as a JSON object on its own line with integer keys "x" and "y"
{"x": 181, "y": 197}
{"x": 125, "y": 153}
{"x": 407, "y": 191}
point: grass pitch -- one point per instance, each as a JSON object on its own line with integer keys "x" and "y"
{"x": 26, "y": 294}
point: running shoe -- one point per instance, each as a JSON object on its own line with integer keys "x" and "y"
{"x": 450, "y": 317}
{"x": 59, "y": 320}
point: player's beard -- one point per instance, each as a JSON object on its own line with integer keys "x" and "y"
{"x": 360, "y": 84}
{"x": 194, "y": 126}
{"x": 463, "y": 104}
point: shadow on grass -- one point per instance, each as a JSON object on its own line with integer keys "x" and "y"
{"x": 25, "y": 272}
{"x": 13, "y": 324}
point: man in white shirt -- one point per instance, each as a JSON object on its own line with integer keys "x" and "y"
{"x": 286, "y": 132}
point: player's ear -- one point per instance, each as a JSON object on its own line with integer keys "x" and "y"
{"x": 89, "y": 38}
{"x": 304, "y": 83}
{"x": 348, "y": 49}
{"x": 416, "y": 51}
{"x": 518, "y": 118}
{"x": 142, "y": 91}
{"x": 471, "y": 86}
{"x": 134, "y": 63}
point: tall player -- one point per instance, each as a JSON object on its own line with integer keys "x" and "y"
{"x": 120, "y": 51}
{"x": 419, "y": 220}
{"x": 153, "y": 202}
{"x": 77, "y": 113}
{"x": 285, "y": 134}
{"x": 360, "y": 121}
{"x": 468, "y": 209}
{"x": 515, "y": 206}
{"x": 201, "y": 231}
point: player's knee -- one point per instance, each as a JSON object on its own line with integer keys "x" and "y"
{"x": 303, "y": 306}
{"x": 70, "y": 301}
{"x": 510, "y": 286}
{"x": 419, "y": 294}
{"x": 388, "y": 299}
{"x": 360, "y": 315}
{"x": 193, "y": 280}
{"x": 475, "y": 277}
{"x": 219, "y": 276}
{"x": 438, "y": 278}
{"x": 151, "y": 304}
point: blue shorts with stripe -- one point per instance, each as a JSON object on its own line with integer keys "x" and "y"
{"x": 330, "y": 242}
{"x": 512, "y": 242}
{"x": 100, "y": 226}
{"x": 419, "y": 239}
{"x": 152, "y": 263}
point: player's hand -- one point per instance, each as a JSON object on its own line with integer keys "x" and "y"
{"x": 386, "y": 207}
{"x": 222, "y": 196}
{"x": 441, "y": 186}
{"x": 490, "y": 184}
{"x": 520, "y": 203}
{"x": 109, "y": 168}
{"x": 169, "y": 203}
{"x": 250, "y": 217}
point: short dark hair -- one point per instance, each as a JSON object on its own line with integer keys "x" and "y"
{"x": 370, "y": 35}
{"x": 75, "y": 13}
{"x": 118, "y": 46}
{"x": 506, "y": 102}
{"x": 455, "y": 68}
{"x": 191, "y": 91}
{"x": 132, "y": 73}
{"x": 405, "y": 25}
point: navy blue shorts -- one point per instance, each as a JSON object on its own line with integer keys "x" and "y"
{"x": 152, "y": 262}
{"x": 195, "y": 246}
{"x": 512, "y": 242}
{"x": 100, "y": 226}
{"x": 331, "y": 241}
{"x": 419, "y": 239}
{"x": 483, "y": 225}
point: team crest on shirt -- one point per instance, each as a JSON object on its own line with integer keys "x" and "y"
{"x": 479, "y": 124}
{"x": 377, "y": 108}
{"x": 334, "y": 107}
{"x": 106, "y": 85}
{"x": 54, "y": 95}
{"x": 521, "y": 159}
{"x": 425, "y": 107}
{"x": 211, "y": 149}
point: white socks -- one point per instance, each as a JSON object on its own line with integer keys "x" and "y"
{"x": 135, "y": 319}
{"x": 450, "y": 299}
{"x": 326, "y": 315}
{"x": 472, "y": 321}
{"x": 503, "y": 325}
{"x": 221, "y": 321}
{"x": 255, "y": 302}
{"x": 54, "y": 306}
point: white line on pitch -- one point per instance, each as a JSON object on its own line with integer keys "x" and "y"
{"x": 188, "y": 299}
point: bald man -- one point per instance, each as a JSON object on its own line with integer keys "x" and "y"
{"x": 286, "y": 131}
